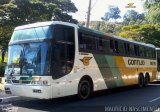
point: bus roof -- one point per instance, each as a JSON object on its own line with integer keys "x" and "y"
{"x": 38, "y": 24}
{"x": 48, "y": 23}
{"x": 157, "y": 48}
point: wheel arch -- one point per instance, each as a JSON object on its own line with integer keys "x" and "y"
{"x": 87, "y": 77}
{"x": 141, "y": 74}
{"x": 147, "y": 74}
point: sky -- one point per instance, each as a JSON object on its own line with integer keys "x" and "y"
{"x": 99, "y": 7}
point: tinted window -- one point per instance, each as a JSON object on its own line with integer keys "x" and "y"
{"x": 87, "y": 42}
{"x": 116, "y": 46}
{"x": 121, "y": 48}
{"x": 106, "y": 44}
{"x": 132, "y": 51}
{"x": 32, "y": 33}
{"x": 126, "y": 48}
{"x": 63, "y": 51}
{"x": 111, "y": 46}
{"x": 136, "y": 50}
{"x": 63, "y": 33}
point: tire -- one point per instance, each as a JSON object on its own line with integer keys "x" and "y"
{"x": 146, "y": 80}
{"x": 141, "y": 80}
{"x": 84, "y": 89}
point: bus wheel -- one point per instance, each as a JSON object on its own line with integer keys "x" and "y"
{"x": 146, "y": 79}
{"x": 84, "y": 89}
{"x": 141, "y": 80}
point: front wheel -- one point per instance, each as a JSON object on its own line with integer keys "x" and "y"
{"x": 84, "y": 89}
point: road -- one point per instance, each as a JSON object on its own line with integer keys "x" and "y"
{"x": 130, "y": 98}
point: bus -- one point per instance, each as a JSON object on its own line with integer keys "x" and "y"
{"x": 56, "y": 59}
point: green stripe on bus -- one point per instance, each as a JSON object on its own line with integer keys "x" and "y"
{"x": 105, "y": 71}
{"x": 115, "y": 70}
{"x": 25, "y": 78}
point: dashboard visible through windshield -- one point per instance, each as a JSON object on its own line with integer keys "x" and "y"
{"x": 28, "y": 59}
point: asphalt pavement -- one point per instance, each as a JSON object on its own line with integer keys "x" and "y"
{"x": 131, "y": 98}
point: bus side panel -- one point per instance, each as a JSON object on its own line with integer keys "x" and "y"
{"x": 109, "y": 70}
{"x": 130, "y": 70}
{"x": 128, "y": 74}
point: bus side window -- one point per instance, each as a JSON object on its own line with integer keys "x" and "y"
{"x": 58, "y": 59}
{"x": 106, "y": 46}
{"x": 70, "y": 57}
{"x": 154, "y": 53}
{"x": 136, "y": 50}
{"x": 100, "y": 45}
{"x": 126, "y": 48}
{"x": 121, "y": 48}
{"x": 116, "y": 47}
{"x": 63, "y": 52}
{"x": 81, "y": 44}
{"x": 132, "y": 51}
{"x": 144, "y": 51}
{"x": 89, "y": 42}
{"x": 111, "y": 46}
{"x": 141, "y": 51}
{"x": 148, "y": 52}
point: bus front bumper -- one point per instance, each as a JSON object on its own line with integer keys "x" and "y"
{"x": 32, "y": 91}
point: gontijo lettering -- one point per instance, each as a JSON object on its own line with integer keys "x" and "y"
{"x": 136, "y": 62}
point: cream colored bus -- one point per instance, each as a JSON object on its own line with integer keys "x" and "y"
{"x": 55, "y": 59}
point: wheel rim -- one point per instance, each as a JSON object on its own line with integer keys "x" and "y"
{"x": 84, "y": 90}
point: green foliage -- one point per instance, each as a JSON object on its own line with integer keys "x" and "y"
{"x": 107, "y": 27}
{"x": 18, "y": 12}
{"x": 5, "y": 58}
{"x": 153, "y": 11}
{"x": 2, "y": 65}
{"x": 133, "y": 17}
{"x": 143, "y": 33}
{"x": 5, "y": 34}
{"x": 114, "y": 13}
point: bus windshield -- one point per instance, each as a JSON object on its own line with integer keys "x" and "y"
{"x": 32, "y": 33}
{"x": 28, "y": 59}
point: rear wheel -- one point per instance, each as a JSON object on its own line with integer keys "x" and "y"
{"x": 141, "y": 80}
{"x": 146, "y": 80}
{"x": 84, "y": 89}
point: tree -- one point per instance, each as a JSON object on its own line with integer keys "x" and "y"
{"x": 153, "y": 11}
{"x": 28, "y": 11}
{"x": 132, "y": 17}
{"x": 106, "y": 27}
{"x": 18, "y": 12}
{"x": 112, "y": 14}
{"x": 135, "y": 32}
